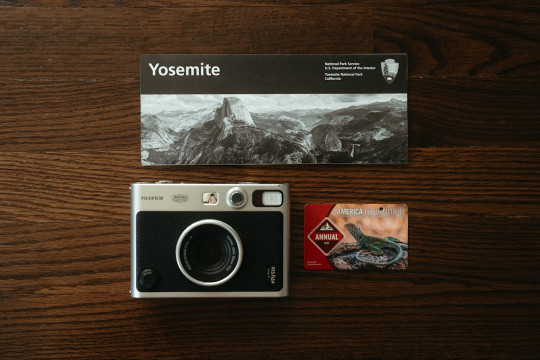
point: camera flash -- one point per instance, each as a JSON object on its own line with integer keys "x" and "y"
{"x": 272, "y": 198}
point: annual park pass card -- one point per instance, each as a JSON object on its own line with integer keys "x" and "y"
{"x": 273, "y": 109}
{"x": 356, "y": 236}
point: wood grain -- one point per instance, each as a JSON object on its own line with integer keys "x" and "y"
{"x": 98, "y": 44}
{"x": 70, "y": 147}
{"x": 476, "y": 38}
{"x": 165, "y": 4}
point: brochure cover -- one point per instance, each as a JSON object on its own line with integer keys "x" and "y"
{"x": 273, "y": 109}
{"x": 356, "y": 236}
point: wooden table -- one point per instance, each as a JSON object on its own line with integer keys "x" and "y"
{"x": 70, "y": 147}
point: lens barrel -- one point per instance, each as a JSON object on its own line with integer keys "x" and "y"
{"x": 236, "y": 198}
{"x": 209, "y": 252}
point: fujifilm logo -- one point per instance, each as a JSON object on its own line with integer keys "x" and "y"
{"x": 151, "y": 197}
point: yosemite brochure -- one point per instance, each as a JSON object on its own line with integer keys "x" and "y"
{"x": 273, "y": 109}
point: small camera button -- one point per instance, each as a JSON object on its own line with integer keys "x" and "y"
{"x": 148, "y": 279}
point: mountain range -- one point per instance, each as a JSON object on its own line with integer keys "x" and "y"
{"x": 228, "y": 133}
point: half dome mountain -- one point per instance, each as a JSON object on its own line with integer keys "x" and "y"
{"x": 228, "y": 133}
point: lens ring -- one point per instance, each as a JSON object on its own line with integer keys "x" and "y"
{"x": 222, "y": 269}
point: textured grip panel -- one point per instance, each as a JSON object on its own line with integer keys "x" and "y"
{"x": 261, "y": 234}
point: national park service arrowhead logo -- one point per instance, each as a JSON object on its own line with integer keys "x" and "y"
{"x": 389, "y": 70}
{"x": 326, "y": 236}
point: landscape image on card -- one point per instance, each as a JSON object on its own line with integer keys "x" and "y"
{"x": 216, "y": 129}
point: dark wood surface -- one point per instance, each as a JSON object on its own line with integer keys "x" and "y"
{"x": 70, "y": 147}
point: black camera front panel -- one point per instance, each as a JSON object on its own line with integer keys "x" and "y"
{"x": 261, "y": 235}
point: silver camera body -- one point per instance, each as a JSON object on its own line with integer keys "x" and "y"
{"x": 209, "y": 240}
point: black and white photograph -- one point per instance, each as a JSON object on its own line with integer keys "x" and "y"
{"x": 211, "y": 129}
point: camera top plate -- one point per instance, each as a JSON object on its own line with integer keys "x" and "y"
{"x": 167, "y": 196}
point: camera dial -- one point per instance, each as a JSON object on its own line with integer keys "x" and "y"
{"x": 209, "y": 252}
{"x": 148, "y": 279}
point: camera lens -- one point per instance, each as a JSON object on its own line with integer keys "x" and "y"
{"x": 236, "y": 198}
{"x": 209, "y": 252}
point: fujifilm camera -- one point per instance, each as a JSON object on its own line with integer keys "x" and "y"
{"x": 209, "y": 240}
